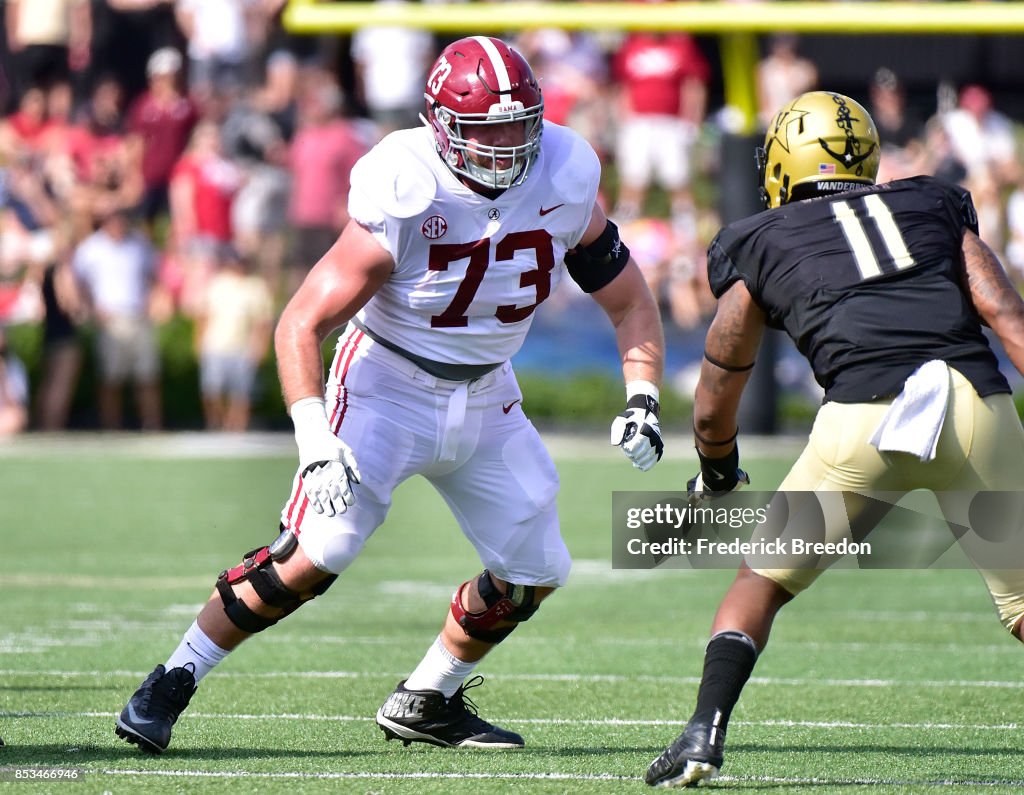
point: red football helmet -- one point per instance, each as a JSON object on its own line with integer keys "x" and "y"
{"x": 482, "y": 81}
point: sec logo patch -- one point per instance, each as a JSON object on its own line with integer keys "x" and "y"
{"x": 434, "y": 227}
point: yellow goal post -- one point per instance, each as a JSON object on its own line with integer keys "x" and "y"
{"x": 737, "y": 24}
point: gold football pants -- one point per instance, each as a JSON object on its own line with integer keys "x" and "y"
{"x": 980, "y": 449}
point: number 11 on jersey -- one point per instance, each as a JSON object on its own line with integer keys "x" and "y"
{"x": 849, "y": 215}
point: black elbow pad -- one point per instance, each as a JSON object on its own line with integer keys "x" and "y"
{"x": 594, "y": 266}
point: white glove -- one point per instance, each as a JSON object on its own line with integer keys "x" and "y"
{"x": 327, "y": 464}
{"x": 636, "y": 430}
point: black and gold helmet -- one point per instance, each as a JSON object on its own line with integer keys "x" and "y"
{"x": 819, "y": 143}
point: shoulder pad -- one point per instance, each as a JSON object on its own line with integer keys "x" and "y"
{"x": 935, "y": 185}
{"x": 722, "y": 271}
{"x": 395, "y": 177}
{"x": 956, "y": 197}
{"x": 572, "y": 163}
{"x": 752, "y": 225}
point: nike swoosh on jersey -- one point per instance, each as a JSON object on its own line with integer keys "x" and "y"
{"x": 507, "y": 407}
{"x": 551, "y": 209}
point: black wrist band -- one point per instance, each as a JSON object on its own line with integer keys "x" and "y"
{"x": 727, "y": 463}
{"x": 644, "y": 401}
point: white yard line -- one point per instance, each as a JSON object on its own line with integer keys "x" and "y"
{"x": 550, "y": 777}
{"x": 770, "y": 723}
{"x": 770, "y": 681}
{"x": 96, "y": 632}
{"x": 237, "y": 774}
{"x": 885, "y": 782}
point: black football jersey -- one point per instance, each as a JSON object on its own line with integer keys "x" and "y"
{"x": 867, "y": 283}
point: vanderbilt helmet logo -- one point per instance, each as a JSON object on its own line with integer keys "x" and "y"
{"x": 849, "y": 157}
{"x": 783, "y": 121}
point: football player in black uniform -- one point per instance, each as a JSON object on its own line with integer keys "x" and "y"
{"x": 880, "y": 287}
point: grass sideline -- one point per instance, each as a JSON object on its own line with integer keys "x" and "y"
{"x": 874, "y": 681}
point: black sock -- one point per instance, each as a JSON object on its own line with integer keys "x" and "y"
{"x": 728, "y": 661}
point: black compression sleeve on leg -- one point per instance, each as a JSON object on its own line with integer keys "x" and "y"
{"x": 728, "y": 661}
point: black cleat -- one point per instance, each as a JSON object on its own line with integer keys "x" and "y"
{"x": 426, "y": 716}
{"x": 149, "y": 715}
{"x": 696, "y": 754}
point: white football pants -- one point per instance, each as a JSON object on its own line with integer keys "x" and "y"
{"x": 470, "y": 439}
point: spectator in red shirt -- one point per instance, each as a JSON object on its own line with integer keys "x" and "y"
{"x": 202, "y": 190}
{"x": 322, "y": 154}
{"x": 663, "y": 96}
{"x": 108, "y": 178}
{"x": 21, "y": 133}
{"x": 160, "y": 123}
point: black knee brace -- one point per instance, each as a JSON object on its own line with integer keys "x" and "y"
{"x": 258, "y": 569}
{"x": 516, "y": 606}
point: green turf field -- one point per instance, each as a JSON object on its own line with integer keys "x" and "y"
{"x": 874, "y": 681}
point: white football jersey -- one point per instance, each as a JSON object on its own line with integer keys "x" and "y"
{"x": 469, "y": 271}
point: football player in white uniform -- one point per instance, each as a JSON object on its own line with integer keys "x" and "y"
{"x": 461, "y": 228}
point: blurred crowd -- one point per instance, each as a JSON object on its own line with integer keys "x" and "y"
{"x": 164, "y": 158}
